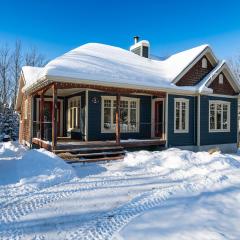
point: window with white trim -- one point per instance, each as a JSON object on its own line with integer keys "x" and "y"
{"x": 129, "y": 114}
{"x": 204, "y": 63}
{"x": 74, "y": 113}
{"x": 220, "y": 79}
{"x": 25, "y": 109}
{"x": 219, "y": 116}
{"x": 181, "y": 115}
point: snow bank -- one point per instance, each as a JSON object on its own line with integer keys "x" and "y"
{"x": 38, "y": 168}
{"x": 179, "y": 164}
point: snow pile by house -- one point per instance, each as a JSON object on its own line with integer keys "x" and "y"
{"x": 29, "y": 170}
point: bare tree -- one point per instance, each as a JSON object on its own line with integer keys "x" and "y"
{"x": 4, "y": 73}
{"x": 235, "y": 66}
{"x": 16, "y": 64}
{"x": 35, "y": 59}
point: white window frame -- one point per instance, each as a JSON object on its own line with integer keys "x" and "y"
{"x": 220, "y": 79}
{"x": 180, "y": 130}
{"x": 112, "y": 99}
{"x": 26, "y": 109}
{"x": 76, "y": 98}
{"x": 217, "y": 102}
{"x": 204, "y": 63}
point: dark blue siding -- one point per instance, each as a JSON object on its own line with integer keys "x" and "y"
{"x": 94, "y": 119}
{"x": 182, "y": 139}
{"x": 209, "y": 138}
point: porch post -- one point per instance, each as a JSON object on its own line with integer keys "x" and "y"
{"x": 118, "y": 119}
{"x": 42, "y": 115}
{"x": 54, "y": 116}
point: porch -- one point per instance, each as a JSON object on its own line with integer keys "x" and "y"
{"x": 90, "y": 151}
{"x": 70, "y": 117}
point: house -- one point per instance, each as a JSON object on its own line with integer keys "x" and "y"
{"x": 105, "y": 94}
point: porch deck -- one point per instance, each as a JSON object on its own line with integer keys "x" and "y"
{"x": 68, "y": 144}
{"x": 89, "y": 151}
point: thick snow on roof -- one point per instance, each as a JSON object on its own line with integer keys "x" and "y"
{"x": 107, "y": 64}
{"x": 31, "y": 74}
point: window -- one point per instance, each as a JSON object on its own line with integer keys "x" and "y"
{"x": 181, "y": 115}
{"x": 220, "y": 79}
{"x": 74, "y": 113}
{"x": 129, "y": 114}
{"x": 26, "y": 109}
{"x": 204, "y": 63}
{"x": 219, "y": 116}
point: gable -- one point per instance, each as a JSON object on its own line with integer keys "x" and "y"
{"x": 225, "y": 88}
{"x": 196, "y": 73}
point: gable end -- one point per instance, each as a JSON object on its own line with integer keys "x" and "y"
{"x": 225, "y": 88}
{"x": 196, "y": 73}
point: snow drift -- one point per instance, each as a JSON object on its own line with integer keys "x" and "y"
{"x": 38, "y": 168}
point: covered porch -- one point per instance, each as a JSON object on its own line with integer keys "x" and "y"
{"x": 72, "y": 116}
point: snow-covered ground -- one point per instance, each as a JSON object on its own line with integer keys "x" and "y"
{"x": 171, "y": 194}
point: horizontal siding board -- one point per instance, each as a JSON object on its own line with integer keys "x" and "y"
{"x": 94, "y": 118}
{"x": 210, "y": 138}
{"x": 181, "y": 139}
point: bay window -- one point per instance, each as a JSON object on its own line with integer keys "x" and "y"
{"x": 219, "y": 116}
{"x": 181, "y": 115}
{"x": 129, "y": 114}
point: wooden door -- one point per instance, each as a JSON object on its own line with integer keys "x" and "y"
{"x": 158, "y": 121}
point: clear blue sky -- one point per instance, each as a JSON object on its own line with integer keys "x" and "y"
{"x": 58, "y": 26}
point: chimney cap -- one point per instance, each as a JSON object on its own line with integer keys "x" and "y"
{"x": 136, "y": 39}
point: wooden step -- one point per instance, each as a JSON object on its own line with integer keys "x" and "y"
{"x": 98, "y": 154}
{"x": 88, "y": 149}
{"x": 85, "y": 160}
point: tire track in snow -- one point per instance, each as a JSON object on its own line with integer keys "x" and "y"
{"x": 10, "y": 215}
{"x": 104, "y": 226}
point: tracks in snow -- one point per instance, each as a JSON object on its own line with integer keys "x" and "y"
{"x": 104, "y": 225}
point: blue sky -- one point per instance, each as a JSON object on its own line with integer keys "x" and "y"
{"x": 58, "y": 26}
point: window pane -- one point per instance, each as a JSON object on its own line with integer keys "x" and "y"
{"x": 225, "y": 120}
{"x": 133, "y": 120}
{"x": 219, "y": 115}
{"x": 74, "y": 117}
{"x": 212, "y": 119}
{"x": 107, "y": 118}
{"x": 71, "y": 118}
{"x": 177, "y": 118}
{"x": 114, "y": 115}
{"x": 183, "y": 117}
{"x": 107, "y": 103}
{"x": 133, "y": 104}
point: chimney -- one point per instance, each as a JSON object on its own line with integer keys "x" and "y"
{"x": 140, "y": 48}
{"x": 136, "y": 39}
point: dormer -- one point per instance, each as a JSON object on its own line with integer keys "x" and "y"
{"x": 140, "y": 48}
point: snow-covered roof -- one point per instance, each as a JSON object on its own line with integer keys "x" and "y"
{"x": 202, "y": 86}
{"x": 31, "y": 74}
{"x": 99, "y": 63}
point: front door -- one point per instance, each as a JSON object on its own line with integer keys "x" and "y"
{"x": 158, "y": 118}
{"x": 47, "y": 116}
